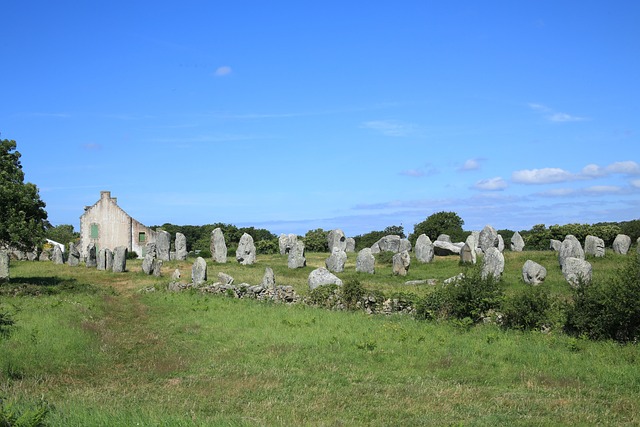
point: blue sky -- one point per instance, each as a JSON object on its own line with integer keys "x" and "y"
{"x": 291, "y": 115}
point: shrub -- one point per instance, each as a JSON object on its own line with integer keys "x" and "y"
{"x": 608, "y": 310}
{"x": 132, "y": 255}
{"x": 384, "y": 258}
{"x": 267, "y": 247}
{"x": 32, "y": 415}
{"x": 316, "y": 240}
{"x": 352, "y": 292}
{"x": 470, "y": 297}
{"x": 323, "y": 295}
{"x": 528, "y": 309}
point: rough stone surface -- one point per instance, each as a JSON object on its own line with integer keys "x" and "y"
{"x": 517, "y": 242}
{"x": 555, "y": 245}
{"x": 441, "y": 248}
{"x": 336, "y": 260}
{"x": 32, "y": 255}
{"x": 157, "y": 268}
{"x": 444, "y": 238}
{"x": 181, "y": 247}
{"x": 405, "y": 245}
{"x": 199, "y": 272}
{"x": 148, "y": 263}
{"x": 366, "y": 262}
{"x": 296, "y": 257}
{"x": 576, "y": 270}
{"x": 533, "y": 273}
{"x": 91, "y": 261}
{"x": 500, "y": 243}
{"x": 390, "y": 243}
{"x": 74, "y": 255}
{"x": 336, "y": 239}
{"x": 401, "y": 263}
{"x": 57, "y": 256}
{"x": 218, "y": 246}
{"x": 225, "y": 279}
{"x": 108, "y": 259}
{"x": 488, "y": 238}
{"x": 321, "y": 277}
{"x": 594, "y": 246}
{"x": 246, "y": 252}
{"x": 493, "y": 263}
{"x": 621, "y": 244}
{"x": 424, "y": 249}
{"x": 350, "y": 244}
{"x": 268, "y": 279}
{"x": 176, "y": 274}
{"x": 468, "y": 254}
{"x": 4, "y": 266}
{"x": 45, "y": 255}
{"x": 120, "y": 259}
{"x": 570, "y": 248}
{"x": 163, "y": 245}
{"x": 286, "y": 242}
{"x": 101, "y": 261}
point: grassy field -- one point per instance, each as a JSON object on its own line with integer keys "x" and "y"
{"x": 99, "y": 352}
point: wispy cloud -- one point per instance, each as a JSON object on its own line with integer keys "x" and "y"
{"x": 635, "y": 183}
{"x": 390, "y": 127}
{"x": 555, "y": 116}
{"x": 541, "y": 176}
{"x": 491, "y": 184}
{"x": 603, "y": 189}
{"x": 222, "y": 71}
{"x": 625, "y": 168}
{"x": 471, "y": 165}
{"x": 415, "y": 173}
{"x": 557, "y": 192}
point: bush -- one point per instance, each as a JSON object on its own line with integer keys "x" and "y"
{"x": 323, "y": 296}
{"x": 32, "y": 415}
{"x": 527, "y": 309}
{"x": 472, "y": 297}
{"x": 132, "y": 255}
{"x": 608, "y": 310}
{"x": 352, "y": 293}
{"x": 267, "y": 247}
{"x": 384, "y": 258}
{"x": 316, "y": 240}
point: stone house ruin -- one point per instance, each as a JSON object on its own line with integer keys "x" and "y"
{"x": 107, "y": 225}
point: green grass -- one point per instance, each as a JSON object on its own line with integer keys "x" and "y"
{"x": 100, "y": 352}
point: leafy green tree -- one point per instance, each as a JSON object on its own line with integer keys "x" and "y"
{"x": 368, "y": 239}
{"x": 64, "y": 233}
{"x": 22, "y": 215}
{"x": 440, "y": 223}
{"x": 316, "y": 240}
{"x": 538, "y": 238}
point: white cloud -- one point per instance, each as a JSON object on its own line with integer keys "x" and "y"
{"x": 603, "y": 189}
{"x": 389, "y": 127}
{"x": 541, "y": 176}
{"x": 413, "y": 173}
{"x": 564, "y": 117}
{"x": 627, "y": 168}
{"x": 593, "y": 171}
{"x": 491, "y": 184}
{"x": 225, "y": 70}
{"x": 558, "y": 192}
{"x": 636, "y": 183}
{"x": 470, "y": 165}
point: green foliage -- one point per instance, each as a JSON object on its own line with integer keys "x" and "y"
{"x": 266, "y": 247}
{"x": 132, "y": 254}
{"x": 6, "y": 323}
{"x": 322, "y": 295}
{"x": 537, "y": 239}
{"x": 384, "y": 258}
{"x": 368, "y": 239}
{"x": 527, "y": 309}
{"x": 352, "y": 291}
{"x": 316, "y": 240}
{"x": 440, "y": 223}
{"x": 64, "y": 234}
{"x": 608, "y": 309}
{"x": 13, "y": 415}
{"x": 470, "y": 297}
{"x": 22, "y": 215}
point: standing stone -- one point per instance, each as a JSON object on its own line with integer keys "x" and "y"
{"x": 181, "y": 247}
{"x": 108, "y": 259}
{"x": 218, "y": 246}
{"x": 424, "y": 249}
{"x": 199, "y": 271}
{"x": 517, "y": 242}
{"x": 286, "y": 242}
{"x": 442, "y": 248}
{"x": 621, "y": 244}
{"x": 57, "y": 256}
{"x": 365, "y": 262}
{"x": 4, "y": 266}
{"x": 468, "y": 254}
{"x": 321, "y": 277}
{"x": 594, "y": 246}
{"x": 45, "y": 255}
{"x": 163, "y": 245}
{"x": 246, "y": 252}
{"x": 336, "y": 239}
{"x": 91, "y": 262}
{"x": 336, "y": 260}
{"x": 493, "y": 263}
{"x": 296, "y": 257}
{"x": 120, "y": 259}
{"x": 500, "y": 243}
{"x": 555, "y": 245}
{"x": 488, "y": 238}
{"x": 533, "y": 273}
{"x": 74, "y": 255}
{"x": 444, "y": 238}
{"x": 570, "y": 248}
{"x": 101, "y": 263}
{"x": 390, "y": 243}
{"x": 269, "y": 279}
{"x": 401, "y": 263}
{"x": 405, "y": 245}
{"x": 350, "y": 244}
{"x": 157, "y": 268}
{"x": 32, "y": 255}
{"x": 576, "y": 270}
{"x": 176, "y": 274}
{"x": 149, "y": 261}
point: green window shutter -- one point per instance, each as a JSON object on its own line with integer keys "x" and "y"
{"x": 142, "y": 237}
{"x": 94, "y": 231}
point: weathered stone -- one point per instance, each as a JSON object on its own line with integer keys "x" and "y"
{"x": 621, "y": 244}
{"x": 472, "y": 240}
{"x": 336, "y": 260}
{"x": 468, "y": 254}
{"x": 296, "y": 257}
{"x": 176, "y": 274}
{"x": 225, "y": 279}
{"x": 218, "y": 246}
{"x": 533, "y": 273}
{"x": 321, "y": 277}
{"x": 576, "y": 271}
{"x": 350, "y": 244}
{"x": 163, "y": 245}
{"x": 149, "y": 262}
{"x": 268, "y": 279}
{"x": 500, "y": 243}
{"x": 4, "y": 266}
{"x": 157, "y": 267}
{"x": 74, "y": 255}
{"x": 570, "y": 248}
{"x": 424, "y": 249}
{"x": 199, "y": 271}
{"x": 366, "y": 262}
{"x": 594, "y": 246}
{"x": 120, "y": 259}
{"x": 32, "y": 255}
{"x": 286, "y": 242}
{"x": 517, "y": 242}
{"x": 555, "y": 245}
{"x": 488, "y": 238}
{"x": 57, "y": 257}
{"x": 181, "y": 247}
{"x": 401, "y": 263}
{"x": 91, "y": 261}
{"x": 441, "y": 248}
{"x": 336, "y": 239}
{"x": 405, "y": 245}
{"x": 45, "y": 255}
{"x": 444, "y": 238}
{"x": 493, "y": 263}
{"x": 108, "y": 259}
{"x": 390, "y": 243}
{"x": 246, "y": 252}
{"x": 101, "y": 262}
{"x": 454, "y": 280}
{"x": 375, "y": 248}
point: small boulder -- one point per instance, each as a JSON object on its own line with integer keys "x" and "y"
{"x": 517, "y": 242}
{"x": 576, "y": 270}
{"x": 365, "y": 262}
{"x": 424, "y": 249}
{"x": 401, "y": 263}
{"x": 336, "y": 260}
{"x": 321, "y": 277}
{"x": 533, "y": 273}
{"x": 594, "y": 246}
{"x": 199, "y": 271}
{"x": 493, "y": 263}
{"x": 621, "y": 244}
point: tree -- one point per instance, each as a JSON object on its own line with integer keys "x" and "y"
{"x": 62, "y": 233}
{"x": 22, "y": 215}
{"x": 440, "y": 223}
{"x": 316, "y": 240}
